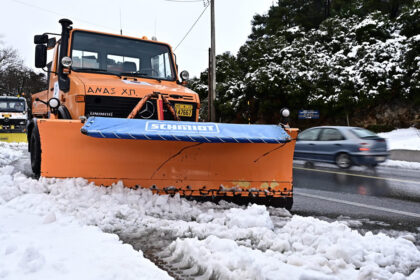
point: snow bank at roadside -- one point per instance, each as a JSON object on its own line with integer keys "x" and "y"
{"x": 40, "y": 241}
{"x": 405, "y": 139}
{"x": 55, "y": 220}
{"x": 11, "y": 152}
{"x": 55, "y": 247}
{"x": 401, "y": 164}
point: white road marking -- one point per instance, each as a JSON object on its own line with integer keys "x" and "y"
{"x": 360, "y": 205}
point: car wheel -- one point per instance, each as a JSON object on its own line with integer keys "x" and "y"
{"x": 343, "y": 161}
{"x": 309, "y": 165}
{"x": 35, "y": 151}
{"x": 373, "y": 165}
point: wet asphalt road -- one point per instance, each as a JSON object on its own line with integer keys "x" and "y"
{"x": 385, "y": 197}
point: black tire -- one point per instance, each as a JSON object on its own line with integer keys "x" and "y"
{"x": 309, "y": 165}
{"x": 278, "y": 202}
{"x": 63, "y": 113}
{"x": 343, "y": 160}
{"x": 289, "y": 203}
{"x": 35, "y": 146}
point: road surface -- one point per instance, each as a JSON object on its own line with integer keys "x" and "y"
{"x": 381, "y": 199}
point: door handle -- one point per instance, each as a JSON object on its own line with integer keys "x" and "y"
{"x": 338, "y": 145}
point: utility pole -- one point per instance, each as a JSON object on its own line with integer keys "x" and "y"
{"x": 212, "y": 67}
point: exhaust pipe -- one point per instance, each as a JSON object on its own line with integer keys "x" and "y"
{"x": 63, "y": 79}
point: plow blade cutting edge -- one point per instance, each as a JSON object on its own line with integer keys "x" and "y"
{"x": 192, "y": 159}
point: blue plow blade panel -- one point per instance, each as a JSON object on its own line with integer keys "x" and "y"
{"x": 141, "y": 129}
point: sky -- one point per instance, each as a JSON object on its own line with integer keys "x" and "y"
{"x": 168, "y": 20}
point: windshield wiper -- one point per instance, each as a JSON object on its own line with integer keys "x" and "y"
{"x": 134, "y": 74}
{"x": 96, "y": 70}
{"x": 140, "y": 75}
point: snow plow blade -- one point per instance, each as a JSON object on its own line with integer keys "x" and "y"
{"x": 189, "y": 158}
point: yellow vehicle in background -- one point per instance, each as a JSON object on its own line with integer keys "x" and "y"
{"x": 13, "y": 116}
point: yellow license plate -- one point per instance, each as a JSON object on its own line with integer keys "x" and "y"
{"x": 184, "y": 110}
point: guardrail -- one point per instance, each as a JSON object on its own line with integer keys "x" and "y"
{"x": 406, "y": 155}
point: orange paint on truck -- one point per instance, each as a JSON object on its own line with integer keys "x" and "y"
{"x": 92, "y": 86}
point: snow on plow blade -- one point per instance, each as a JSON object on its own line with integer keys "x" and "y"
{"x": 193, "y": 159}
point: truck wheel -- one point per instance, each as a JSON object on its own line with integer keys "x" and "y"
{"x": 35, "y": 146}
{"x": 343, "y": 161}
{"x": 289, "y": 203}
{"x": 277, "y": 202}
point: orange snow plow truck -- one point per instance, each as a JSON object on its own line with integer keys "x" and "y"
{"x": 115, "y": 110}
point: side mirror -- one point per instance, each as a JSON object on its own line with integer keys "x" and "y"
{"x": 40, "y": 56}
{"x": 51, "y": 43}
{"x": 41, "y": 39}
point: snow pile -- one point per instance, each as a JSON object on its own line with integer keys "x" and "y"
{"x": 401, "y": 164}
{"x": 50, "y": 247}
{"x": 41, "y": 239}
{"x": 304, "y": 247}
{"x": 14, "y": 152}
{"x": 47, "y": 231}
{"x": 405, "y": 139}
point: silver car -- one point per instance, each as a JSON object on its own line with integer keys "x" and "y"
{"x": 343, "y": 145}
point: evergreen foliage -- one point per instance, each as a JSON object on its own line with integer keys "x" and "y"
{"x": 338, "y": 56}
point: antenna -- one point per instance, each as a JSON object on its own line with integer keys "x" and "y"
{"x": 120, "y": 23}
{"x": 155, "y": 26}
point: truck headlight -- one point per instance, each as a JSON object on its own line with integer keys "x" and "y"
{"x": 66, "y": 61}
{"x": 54, "y": 103}
{"x": 185, "y": 76}
{"x": 285, "y": 113}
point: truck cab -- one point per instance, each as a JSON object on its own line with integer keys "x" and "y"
{"x": 13, "y": 116}
{"x": 107, "y": 75}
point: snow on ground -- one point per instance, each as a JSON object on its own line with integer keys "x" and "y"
{"x": 55, "y": 229}
{"x": 34, "y": 246}
{"x": 406, "y": 139}
{"x": 401, "y": 164}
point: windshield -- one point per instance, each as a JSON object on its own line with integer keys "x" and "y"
{"x": 100, "y": 53}
{"x": 364, "y": 133}
{"x": 12, "y": 105}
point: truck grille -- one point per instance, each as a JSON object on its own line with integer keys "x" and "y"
{"x": 121, "y": 107}
{"x": 12, "y": 125}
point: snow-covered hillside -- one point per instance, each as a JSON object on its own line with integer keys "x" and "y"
{"x": 55, "y": 229}
{"x": 359, "y": 63}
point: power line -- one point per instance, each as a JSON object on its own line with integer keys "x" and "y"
{"x": 184, "y": 1}
{"x": 55, "y": 13}
{"x": 202, "y": 13}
